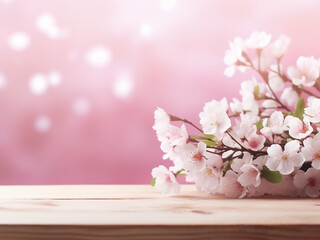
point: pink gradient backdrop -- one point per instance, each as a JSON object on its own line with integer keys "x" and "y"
{"x": 172, "y": 54}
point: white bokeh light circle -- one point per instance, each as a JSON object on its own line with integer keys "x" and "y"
{"x": 168, "y": 5}
{"x": 99, "y": 56}
{"x": 81, "y": 106}
{"x": 146, "y": 30}
{"x": 3, "y": 81}
{"x": 38, "y": 84}
{"x": 46, "y": 23}
{"x": 123, "y": 86}
{"x": 54, "y": 78}
{"x": 19, "y": 41}
{"x": 42, "y": 124}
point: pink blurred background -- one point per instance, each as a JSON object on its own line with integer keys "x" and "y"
{"x": 80, "y": 79}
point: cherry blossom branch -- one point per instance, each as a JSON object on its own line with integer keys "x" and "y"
{"x": 227, "y": 148}
{"x": 242, "y": 147}
{"x": 286, "y": 79}
{"x": 264, "y": 76}
{"x": 174, "y": 119}
{"x": 308, "y": 92}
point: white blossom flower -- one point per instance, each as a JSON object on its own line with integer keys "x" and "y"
{"x": 245, "y": 132}
{"x": 249, "y": 91}
{"x": 162, "y": 121}
{"x": 250, "y": 175}
{"x": 208, "y": 179}
{"x": 311, "y": 150}
{"x": 290, "y": 96}
{"x": 233, "y": 56}
{"x": 275, "y": 80}
{"x": 254, "y": 141}
{"x": 280, "y": 46}
{"x": 236, "y": 106}
{"x": 238, "y": 162}
{"x": 252, "y": 87}
{"x": 306, "y": 73}
{"x": 263, "y": 61}
{"x": 193, "y": 158}
{"x": 258, "y": 40}
{"x": 298, "y": 129}
{"x": 309, "y": 180}
{"x": 231, "y": 187}
{"x": 172, "y": 138}
{"x": 274, "y": 123}
{"x": 312, "y": 112}
{"x": 214, "y": 118}
{"x": 249, "y": 170}
{"x": 284, "y": 161}
{"x": 165, "y": 182}
{"x": 269, "y": 107}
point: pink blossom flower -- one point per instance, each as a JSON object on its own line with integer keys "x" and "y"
{"x": 312, "y": 112}
{"x": 193, "y": 158}
{"x": 208, "y": 179}
{"x": 237, "y": 163}
{"x": 298, "y": 129}
{"x": 285, "y": 161}
{"x": 172, "y": 138}
{"x": 306, "y": 73}
{"x": 166, "y": 182}
{"x": 253, "y": 140}
{"x": 214, "y": 118}
{"x": 258, "y": 40}
{"x": 309, "y": 180}
{"x": 311, "y": 150}
{"x": 231, "y": 187}
{"x": 245, "y": 132}
{"x": 250, "y": 175}
{"x": 249, "y": 170}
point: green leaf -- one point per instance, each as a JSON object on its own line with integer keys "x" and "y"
{"x": 206, "y": 136}
{"x": 153, "y": 182}
{"x": 209, "y": 143}
{"x": 259, "y": 125}
{"x": 271, "y": 176}
{"x": 299, "y": 109}
{"x": 182, "y": 175}
{"x": 226, "y": 166}
{"x": 257, "y": 91}
{"x": 196, "y": 137}
{"x": 210, "y": 136}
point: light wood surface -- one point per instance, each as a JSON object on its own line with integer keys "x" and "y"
{"x": 140, "y": 212}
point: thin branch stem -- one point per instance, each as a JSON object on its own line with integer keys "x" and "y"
{"x": 242, "y": 147}
{"x": 174, "y": 118}
{"x": 308, "y": 92}
{"x": 264, "y": 77}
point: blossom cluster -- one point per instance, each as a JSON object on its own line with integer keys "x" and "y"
{"x": 266, "y": 143}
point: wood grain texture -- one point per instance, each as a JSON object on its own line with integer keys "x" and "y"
{"x": 139, "y": 212}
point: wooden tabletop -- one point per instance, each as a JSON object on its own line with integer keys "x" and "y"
{"x": 92, "y": 212}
